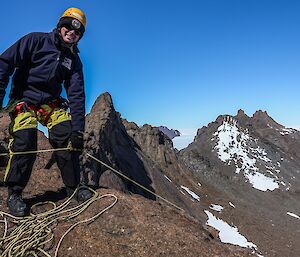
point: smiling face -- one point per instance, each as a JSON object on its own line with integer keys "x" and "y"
{"x": 69, "y": 35}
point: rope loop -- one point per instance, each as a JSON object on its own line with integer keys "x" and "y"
{"x": 33, "y": 234}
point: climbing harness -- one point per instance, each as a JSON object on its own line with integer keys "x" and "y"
{"x": 41, "y": 112}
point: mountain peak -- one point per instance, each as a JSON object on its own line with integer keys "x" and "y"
{"x": 261, "y": 114}
{"x": 261, "y": 119}
{"x": 103, "y": 102}
{"x": 170, "y": 133}
{"x": 241, "y": 114}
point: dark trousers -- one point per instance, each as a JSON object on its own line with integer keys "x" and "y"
{"x": 20, "y": 166}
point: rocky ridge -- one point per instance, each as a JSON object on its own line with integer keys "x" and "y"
{"x": 243, "y": 170}
{"x": 136, "y": 226}
{"x": 171, "y": 133}
{"x": 253, "y": 162}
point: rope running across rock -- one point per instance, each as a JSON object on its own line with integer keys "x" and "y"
{"x": 101, "y": 162}
{"x": 32, "y": 234}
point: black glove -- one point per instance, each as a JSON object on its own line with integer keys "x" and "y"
{"x": 77, "y": 139}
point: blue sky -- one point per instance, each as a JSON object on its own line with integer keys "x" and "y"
{"x": 180, "y": 63}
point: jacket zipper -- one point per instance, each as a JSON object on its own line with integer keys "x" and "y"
{"x": 55, "y": 67}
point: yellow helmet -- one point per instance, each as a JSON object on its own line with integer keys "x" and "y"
{"x": 75, "y": 13}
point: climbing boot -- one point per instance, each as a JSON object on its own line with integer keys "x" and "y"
{"x": 83, "y": 194}
{"x": 17, "y": 207}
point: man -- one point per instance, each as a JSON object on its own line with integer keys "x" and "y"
{"x": 41, "y": 63}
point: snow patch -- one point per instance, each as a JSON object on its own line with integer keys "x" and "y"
{"x": 286, "y": 131}
{"x": 231, "y": 204}
{"x": 216, "y": 207}
{"x": 168, "y": 178}
{"x": 190, "y": 192}
{"x": 293, "y": 215}
{"x": 227, "y": 233}
{"x": 262, "y": 182}
{"x": 182, "y": 192}
{"x": 238, "y": 147}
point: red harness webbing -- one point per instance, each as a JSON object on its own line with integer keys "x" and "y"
{"x": 24, "y": 107}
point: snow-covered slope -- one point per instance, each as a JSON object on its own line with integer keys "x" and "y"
{"x": 254, "y": 164}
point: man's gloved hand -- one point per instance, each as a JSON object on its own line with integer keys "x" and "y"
{"x": 77, "y": 139}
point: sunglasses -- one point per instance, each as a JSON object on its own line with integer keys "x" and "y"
{"x": 70, "y": 27}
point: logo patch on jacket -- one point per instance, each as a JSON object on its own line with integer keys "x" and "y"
{"x": 67, "y": 63}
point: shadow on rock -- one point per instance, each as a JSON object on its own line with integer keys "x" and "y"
{"x": 51, "y": 196}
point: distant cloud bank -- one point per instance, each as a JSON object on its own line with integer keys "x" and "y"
{"x": 187, "y": 137}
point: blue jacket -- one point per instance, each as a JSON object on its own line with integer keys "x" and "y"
{"x": 41, "y": 65}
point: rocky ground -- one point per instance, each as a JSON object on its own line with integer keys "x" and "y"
{"x": 137, "y": 227}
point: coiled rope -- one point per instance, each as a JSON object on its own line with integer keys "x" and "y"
{"x": 33, "y": 233}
